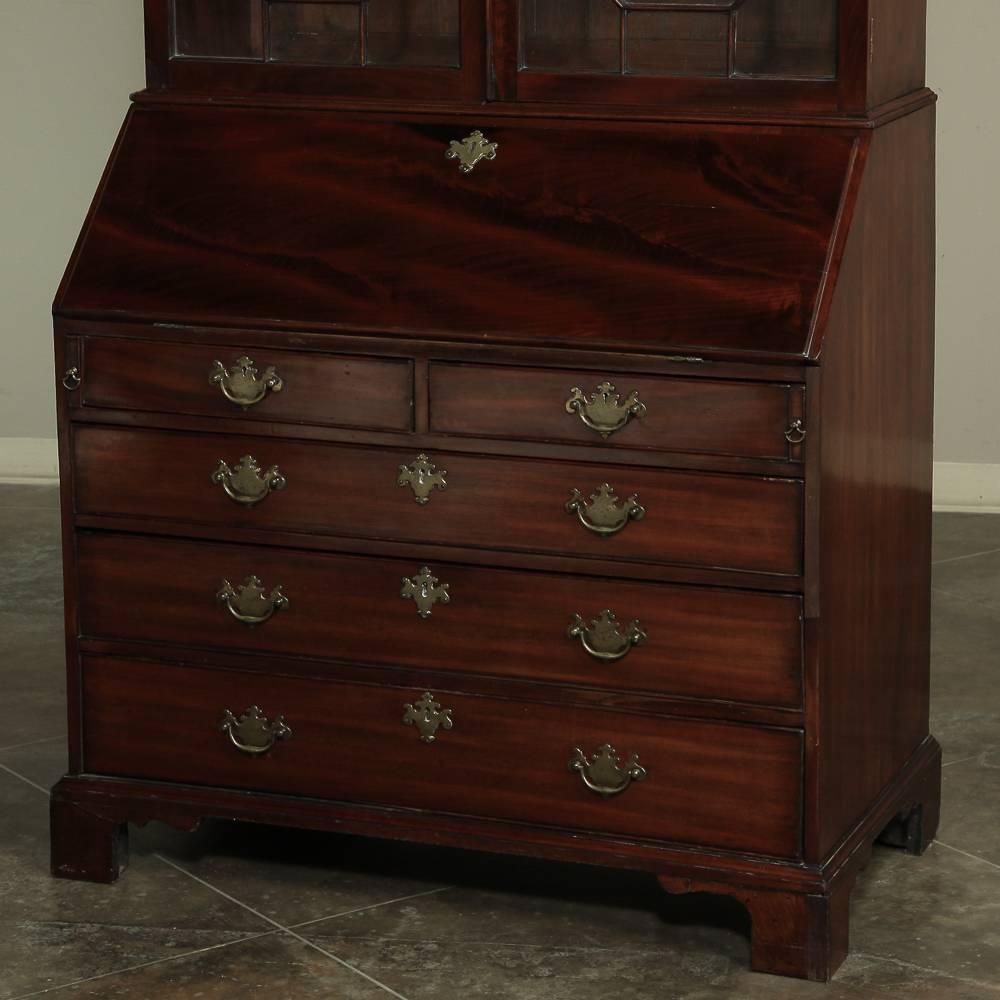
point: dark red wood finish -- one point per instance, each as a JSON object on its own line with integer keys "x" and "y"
{"x": 320, "y": 389}
{"x": 161, "y": 722}
{"x": 725, "y": 645}
{"x": 505, "y": 504}
{"x": 388, "y": 83}
{"x": 872, "y": 633}
{"x": 746, "y": 252}
{"x": 724, "y": 418}
{"x": 587, "y": 258}
{"x": 880, "y": 57}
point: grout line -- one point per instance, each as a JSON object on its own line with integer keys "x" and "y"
{"x": 370, "y": 906}
{"x": 986, "y": 752}
{"x": 961, "y": 760}
{"x": 965, "y": 981}
{"x": 966, "y": 854}
{"x": 972, "y": 555}
{"x": 21, "y": 777}
{"x": 32, "y": 743}
{"x": 256, "y": 913}
{"x": 282, "y": 927}
{"x": 143, "y": 965}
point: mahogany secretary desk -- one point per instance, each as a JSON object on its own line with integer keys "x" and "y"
{"x": 508, "y": 422}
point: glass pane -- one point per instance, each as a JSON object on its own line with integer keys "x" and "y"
{"x": 787, "y": 38}
{"x": 218, "y": 29}
{"x": 414, "y": 33}
{"x": 574, "y": 36}
{"x": 328, "y": 33}
{"x": 677, "y": 44}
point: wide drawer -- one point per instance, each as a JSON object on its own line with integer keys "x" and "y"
{"x": 489, "y": 758}
{"x": 746, "y": 419}
{"x": 699, "y": 642}
{"x": 214, "y": 381}
{"x": 717, "y": 521}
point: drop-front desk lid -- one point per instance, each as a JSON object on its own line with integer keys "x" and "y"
{"x": 656, "y": 238}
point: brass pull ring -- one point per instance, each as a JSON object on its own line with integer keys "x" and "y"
{"x": 605, "y": 411}
{"x": 248, "y": 603}
{"x": 252, "y": 733}
{"x": 246, "y": 484}
{"x": 242, "y": 385}
{"x": 605, "y": 514}
{"x": 72, "y": 379}
{"x": 604, "y": 774}
{"x": 796, "y": 433}
{"x": 603, "y": 638}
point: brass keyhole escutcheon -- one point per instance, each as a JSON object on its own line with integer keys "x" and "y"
{"x": 471, "y": 150}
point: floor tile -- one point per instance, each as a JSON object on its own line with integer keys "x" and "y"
{"x": 940, "y": 912}
{"x": 965, "y": 695}
{"x": 28, "y": 496}
{"x": 554, "y": 931}
{"x": 54, "y": 931}
{"x": 40, "y": 763}
{"x": 292, "y": 876}
{"x": 960, "y": 535}
{"x": 976, "y": 579}
{"x": 32, "y": 558}
{"x": 275, "y": 967}
{"x": 970, "y": 801}
{"x": 32, "y": 676}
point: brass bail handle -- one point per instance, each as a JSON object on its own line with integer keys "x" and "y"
{"x": 604, "y": 514}
{"x": 253, "y": 733}
{"x": 604, "y": 410}
{"x": 241, "y": 383}
{"x": 604, "y": 773}
{"x": 246, "y": 483}
{"x": 249, "y": 603}
{"x": 604, "y": 638}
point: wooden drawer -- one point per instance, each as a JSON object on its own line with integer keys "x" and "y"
{"x": 700, "y": 642}
{"x": 692, "y": 519}
{"x": 326, "y": 389}
{"x": 499, "y": 759}
{"x": 746, "y": 419}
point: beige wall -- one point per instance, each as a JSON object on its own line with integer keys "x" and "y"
{"x": 961, "y": 60}
{"x": 66, "y": 67}
{"x": 66, "y": 70}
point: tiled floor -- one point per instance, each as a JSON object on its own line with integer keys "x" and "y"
{"x": 246, "y": 912}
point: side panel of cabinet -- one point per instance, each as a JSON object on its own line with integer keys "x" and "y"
{"x": 872, "y": 634}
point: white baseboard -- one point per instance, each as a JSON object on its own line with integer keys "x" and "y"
{"x": 957, "y": 486}
{"x": 31, "y": 461}
{"x": 967, "y": 488}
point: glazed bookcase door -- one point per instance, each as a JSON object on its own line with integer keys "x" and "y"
{"x": 808, "y": 54}
{"x": 412, "y": 49}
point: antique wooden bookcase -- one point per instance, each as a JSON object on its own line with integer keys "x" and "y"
{"x": 509, "y": 422}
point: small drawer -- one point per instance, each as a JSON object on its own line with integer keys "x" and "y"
{"x": 580, "y": 769}
{"x": 249, "y": 384}
{"x": 740, "y": 523}
{"x": 696, "y": 642}
{"x": 741, "y": 419}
